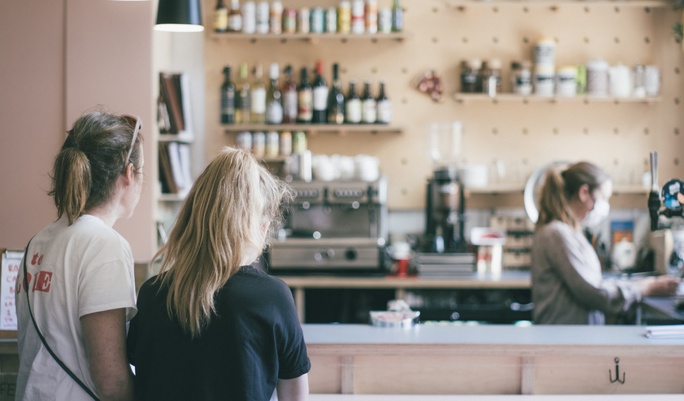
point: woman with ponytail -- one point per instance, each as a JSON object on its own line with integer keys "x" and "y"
{"x": 210, "y": 326}
{"x": 74, "y": 303}
{"x": 567, "y": 280}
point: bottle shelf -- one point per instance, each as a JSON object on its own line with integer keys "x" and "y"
{"x": 184, "y": 137}
{"x": 316, "y": 128}
{"x": 310, "y": 37}
{"x": 554, "y": 5}
{"x": 513, "y": 98}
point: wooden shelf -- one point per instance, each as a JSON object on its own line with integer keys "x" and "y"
{"x": 311, "y": 37}
{"x": 554, "y": 5}
{"x": 513, "y": 98}
{"x": 316, "y": 128}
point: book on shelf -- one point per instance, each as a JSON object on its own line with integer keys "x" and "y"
{"x": 174, "y": 167}
{"x": 174, "y": 113}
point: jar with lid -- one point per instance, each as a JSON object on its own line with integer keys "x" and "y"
{"x": 597, "y": 78}
{"x": 470, "y": 70}
{"x": 566, "y": 81}
{"x": 521, "y": 78}
{"x": 491, "y": 77}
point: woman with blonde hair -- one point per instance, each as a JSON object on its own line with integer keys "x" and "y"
{"x": 210, "y": 326}
{"x": 76, "y": 287}
{"x": 567, "y": 280}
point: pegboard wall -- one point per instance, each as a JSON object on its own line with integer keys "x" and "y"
{"x": 518, "y": 135}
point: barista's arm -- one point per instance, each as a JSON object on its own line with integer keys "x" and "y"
{"x": 568, "y": 261}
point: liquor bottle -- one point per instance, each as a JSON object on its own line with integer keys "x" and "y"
{"x": 227, "y": 98}
{"x": 320, "y": 96}
{"x": 289, "y": 92}
{"x": 397, "y": 17}
{"x": 336, "y": 99}
{"x": 274, "y": 105}
{"x": 220, "y": 17}
{"x": 234, "y": 17}
{"x": 243, "y": 103}
{"x": 384, "y": 106}
{"x": 368, "y": 106}
{"x": 305, "y": 99}
{"x": 353, "y": 105}
{"x": 258, "y": 91}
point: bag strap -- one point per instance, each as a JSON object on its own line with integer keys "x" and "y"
{"x": 42, "y": 338}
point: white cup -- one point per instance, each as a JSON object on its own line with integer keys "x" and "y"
{"x": 367, "y": 168}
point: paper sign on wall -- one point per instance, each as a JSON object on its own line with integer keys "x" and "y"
{"x": 11, "y": 260}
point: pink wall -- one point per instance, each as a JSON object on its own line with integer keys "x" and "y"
{"x": 63, "y": 58}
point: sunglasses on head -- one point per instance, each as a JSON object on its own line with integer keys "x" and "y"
{"x": 137, "y": 125}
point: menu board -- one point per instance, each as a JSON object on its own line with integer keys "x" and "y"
{"x": 11, "y": 260}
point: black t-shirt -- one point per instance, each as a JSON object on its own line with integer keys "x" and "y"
{"x": 254, "y": 339}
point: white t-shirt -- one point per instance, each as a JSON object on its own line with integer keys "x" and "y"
{"x": 74, "y": 271}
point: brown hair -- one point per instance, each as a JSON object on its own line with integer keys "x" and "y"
{"x": 221, "y": 220}
{"x": 91, "y": 159}
{"x": 561, "y": 186}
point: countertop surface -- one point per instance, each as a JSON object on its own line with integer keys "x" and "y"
{"x": 352, "y": 334}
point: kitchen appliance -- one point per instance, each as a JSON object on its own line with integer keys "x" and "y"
{"x": 445, "y": 200}
{"x": 333, "y": 227}
{"x": 445, "y": 211}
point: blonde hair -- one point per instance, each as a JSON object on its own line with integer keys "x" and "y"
{"x": 561, "y": 186}
{"x": 221, "y": 221}
{"x": 92, "y": 157}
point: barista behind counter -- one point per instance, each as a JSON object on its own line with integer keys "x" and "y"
{"x": 567, "y": 284}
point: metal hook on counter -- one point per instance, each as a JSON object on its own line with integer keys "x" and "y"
{"x": 617, "y": 373}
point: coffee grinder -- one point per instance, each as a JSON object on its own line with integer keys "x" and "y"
{"x": 445, "y": 200}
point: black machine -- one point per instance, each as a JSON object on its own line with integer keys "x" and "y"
{"x": 669, "y": 201}
{"x": 445, "y": 213}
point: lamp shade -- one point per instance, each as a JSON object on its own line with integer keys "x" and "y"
{"x": 179, "y": 16}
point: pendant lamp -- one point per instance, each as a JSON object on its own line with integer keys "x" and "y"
{"x": 179, "y": 16}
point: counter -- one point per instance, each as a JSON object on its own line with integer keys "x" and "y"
{"x": 449, "y": 359}
{"x": 510, "y": 280}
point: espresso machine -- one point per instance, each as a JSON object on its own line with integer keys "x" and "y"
{"x": 333, "y": 227}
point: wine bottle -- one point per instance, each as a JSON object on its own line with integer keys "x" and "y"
{"x": 305, "y": 99}
{"x": 243, "y": 104}
{"x": 397, "y": 17}
{"x": 234, "y": 17}
{"x": 289, "y": 92}
{"x": 368, "y": 107}
{"x": 383, "y": 106}
{"x": 220, "y": 17}
{"x": 336, "y": 99}
{"x": 274, "y": 105}
{"x": 353, "y": 105}
{"x": 320, "y": 96}
{"x": 258, "y": 91}
{"x": 227, "y": 98}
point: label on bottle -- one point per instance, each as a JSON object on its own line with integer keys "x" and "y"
{"x": 274, "y": 112}
{"x": 353, "y": 112}
{"x": 320, "y": 98}
{"x": 221, "y": 20}
{"x": 290, "y": 106}
{"x": 235, "y": 22}
{"x": 305, "y": 105}
{"x": 368, "y": 112}
{"x": 259, "y": 100}
{"x": 384, "y": 112}
{"x": 249, "y": 17}
{"x": 228, "y": 107}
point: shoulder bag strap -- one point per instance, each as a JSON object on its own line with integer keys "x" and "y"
{"x": 45, "y": 344}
